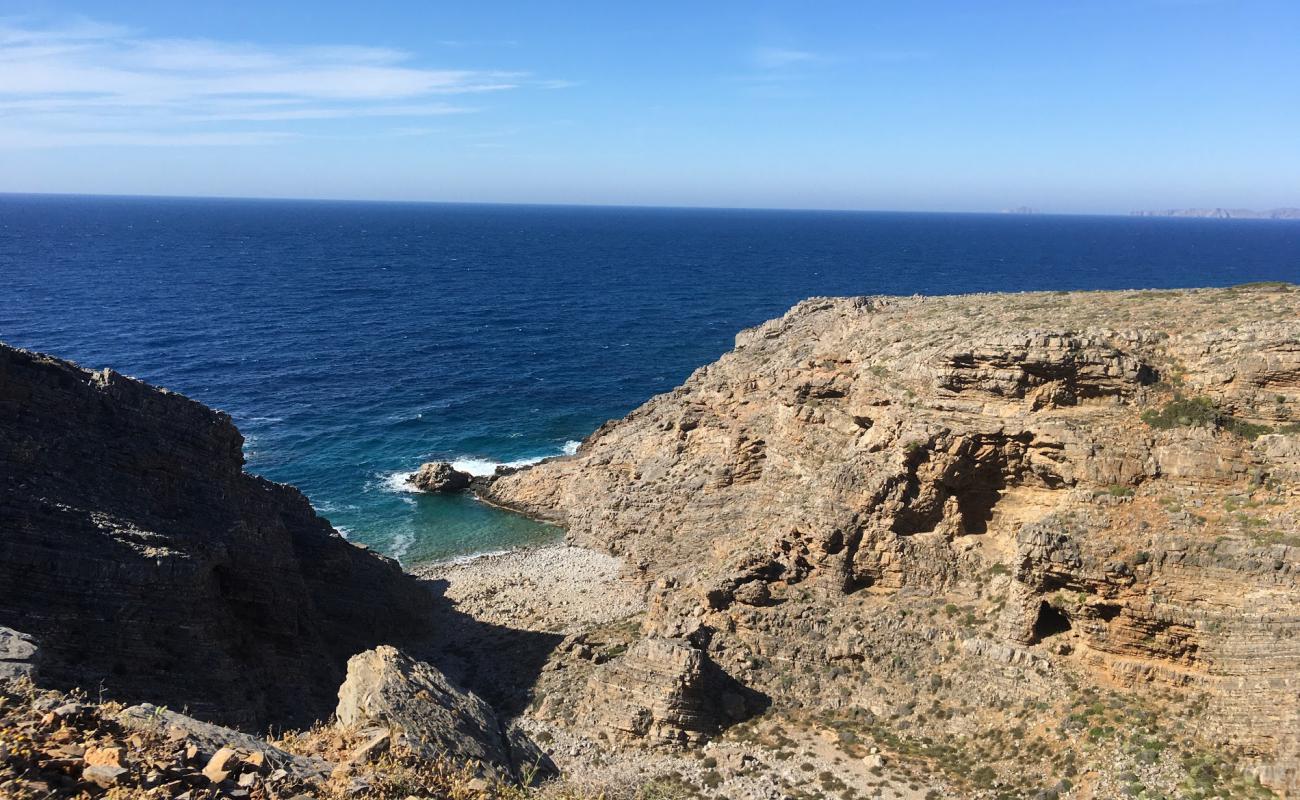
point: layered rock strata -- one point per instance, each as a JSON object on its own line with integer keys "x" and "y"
{"x": 1006, "y": 496}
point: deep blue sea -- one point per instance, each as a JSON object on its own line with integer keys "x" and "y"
{"x": 352, "y": 341}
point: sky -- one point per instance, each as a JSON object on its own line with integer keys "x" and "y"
{"x": 1074, "y": 106}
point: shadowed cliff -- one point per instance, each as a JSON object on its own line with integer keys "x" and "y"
{"x": 147, "y": 564}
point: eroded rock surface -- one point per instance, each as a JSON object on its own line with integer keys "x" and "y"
{"x": 426, "y": 714}
{"x": 887, "y": 503}
{"x": 146, "y": 562}
{"x": 18, "y": 655}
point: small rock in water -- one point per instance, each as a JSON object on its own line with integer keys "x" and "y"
{"x": 439, "y": 476}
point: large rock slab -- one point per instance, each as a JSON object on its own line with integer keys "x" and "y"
{"x": 209, "y": 739}
{"x": 18, "y": 655}
{"x": 430, "y": 716}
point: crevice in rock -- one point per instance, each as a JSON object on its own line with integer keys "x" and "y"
{"x": 1106, "y": 612}
{"x": 975, "y": 479}
{"x": 1051, "y": 621}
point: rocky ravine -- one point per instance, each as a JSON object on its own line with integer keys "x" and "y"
{"x": 944, "y": 526}
{"x": 138, "y": 562}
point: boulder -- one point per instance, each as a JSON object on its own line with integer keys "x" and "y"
{"x": 18, "y": 655}
{"x": 431, "y": 717}
{"x": 657, "y": 692}
{"x": 753, "y": 593}
{"x": 439, "y": 477}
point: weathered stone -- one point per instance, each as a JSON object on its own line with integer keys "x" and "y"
{"x": 105, "y": 777}
{"x": 753, "y": 593}
{"x": 112, "y": 756}
{"x": 428, "y": 715}
{"x": 203, "y": 740}
{"x": 862, "y": 456}
{"x": 439, "y": 476}
{"x": 18, "y": 655}
{"x": 655, "y": 692}
{"x": 220, "y": 765}
{"x": 374, "y": 745}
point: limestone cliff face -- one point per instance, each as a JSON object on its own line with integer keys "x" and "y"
{"x": 143, "y": 559}
{"x": 803, "y": 507}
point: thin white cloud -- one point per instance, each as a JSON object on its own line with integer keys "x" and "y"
{"x": 779, "y": 57}
{"x": 87, "y": 82}
{"x": 35, "y": 139}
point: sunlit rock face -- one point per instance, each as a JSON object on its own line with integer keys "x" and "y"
{"x": 873, "y": 493}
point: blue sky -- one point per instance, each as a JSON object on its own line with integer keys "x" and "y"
{"x": 1061, "y": 105}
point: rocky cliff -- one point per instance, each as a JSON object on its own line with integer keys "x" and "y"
{"x": 147, "y": 564}
{"x": 1020, "y": 538}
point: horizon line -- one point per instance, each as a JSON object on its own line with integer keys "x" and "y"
{"x": 1011, "y": 212}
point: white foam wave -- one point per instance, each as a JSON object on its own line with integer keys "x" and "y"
{"x": 484, "y": 467}
{"x": 469, "y": 558}
{"x": 396, "y": 482}
{"x": 401, "y": 544}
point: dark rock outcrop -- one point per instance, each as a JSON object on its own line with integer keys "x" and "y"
{"x": 439, "y": 477}
{"x": 144, "y": 560}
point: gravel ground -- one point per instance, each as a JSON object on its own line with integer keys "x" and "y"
{"x": 557, "y": 588}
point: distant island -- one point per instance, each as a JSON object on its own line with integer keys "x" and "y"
{"x": 1223, "y": 213}
{"x": 1020, "y": 210}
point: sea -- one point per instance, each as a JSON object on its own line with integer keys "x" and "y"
{"x": 353, "y": 341}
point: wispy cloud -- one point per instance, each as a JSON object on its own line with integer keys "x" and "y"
{"x": 87, "y": 82}
{"x": 784, "y": 59}
{"x": 779, "y": 57}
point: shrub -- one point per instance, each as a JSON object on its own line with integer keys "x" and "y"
{"x": 1201, "y": 412}
{"x": 1183, "y": 412}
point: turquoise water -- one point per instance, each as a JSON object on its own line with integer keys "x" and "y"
{"x": 352, "y": 341}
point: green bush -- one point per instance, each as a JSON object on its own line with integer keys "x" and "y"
{"x": 1201, "y": 412}
{"x": 1183, "y": 412}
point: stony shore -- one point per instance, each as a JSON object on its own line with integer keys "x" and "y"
{"x": 557, "y": 588}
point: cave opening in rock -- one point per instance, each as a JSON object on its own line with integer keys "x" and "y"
{"x": 1050, "y": 622}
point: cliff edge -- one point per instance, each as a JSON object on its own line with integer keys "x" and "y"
{"x": 147, "y": 564}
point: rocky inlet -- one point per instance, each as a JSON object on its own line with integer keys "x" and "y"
{"x": 1019, "y": 545}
